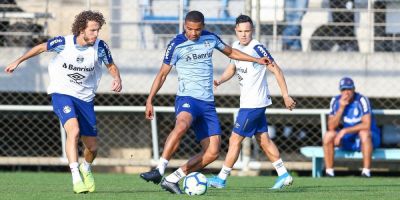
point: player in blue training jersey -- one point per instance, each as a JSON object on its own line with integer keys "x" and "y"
{"x": 191, "y": 54}
{"x": 351, "y": 111}
{"x": 74, "y": 76}
{"x": 254, "y": 98}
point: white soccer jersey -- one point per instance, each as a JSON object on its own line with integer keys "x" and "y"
{"x": 252, "y": 76}
{"x": 75, "y": 72}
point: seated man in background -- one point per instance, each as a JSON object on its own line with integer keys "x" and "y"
{"x": 353, "y": 111}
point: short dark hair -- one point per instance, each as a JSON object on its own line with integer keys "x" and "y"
{"x": 83, "y": 18}
{"x": 195, "y": 16}
{"x": 244, "y": 19}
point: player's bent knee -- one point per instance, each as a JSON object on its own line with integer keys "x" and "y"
{"x": 181, "y": 127}
{"x": 365, "y": 136}
{"x": 73, "y": 132}
{"x": 328, "y": 137}
{"x": 92, "y": 149}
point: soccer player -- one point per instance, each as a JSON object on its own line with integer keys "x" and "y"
{"x": 191, "y": 54}
{"x": 352, "y": 111}
{"x": 75, "y": 73}
{"x": 254, "y": 98}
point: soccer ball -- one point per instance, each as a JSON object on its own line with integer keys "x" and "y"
{"x": 195, "y": 184}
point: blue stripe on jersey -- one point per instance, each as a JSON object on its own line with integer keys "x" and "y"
{"x": 105, "y": 53}
{"x": 262, "y": 51}
{"x": 179, "y": 39}
{"x": 56, "y": 44}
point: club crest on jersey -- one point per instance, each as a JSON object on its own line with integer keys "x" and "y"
{"x": 186, "y": 105}
{"x": 355, "y": 112}
{"x": 67, "y": 109}
{"x": 207, "y": 44}
{"x": 79, "y": 59}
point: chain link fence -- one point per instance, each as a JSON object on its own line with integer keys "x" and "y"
{"x": 357, "y": 38}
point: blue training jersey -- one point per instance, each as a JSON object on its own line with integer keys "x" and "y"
{"x": 57, "y": 44}
{"x": 193, "y": 62}
{"x": 354, "y": 111}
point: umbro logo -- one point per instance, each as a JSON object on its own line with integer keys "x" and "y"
{"x": 237, "y": 125}
{"x": 76, "y": 76}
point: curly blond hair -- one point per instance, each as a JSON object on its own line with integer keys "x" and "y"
{"x": 82, "y": 19}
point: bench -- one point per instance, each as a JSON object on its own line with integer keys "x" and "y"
{"x": 317, "y": 155}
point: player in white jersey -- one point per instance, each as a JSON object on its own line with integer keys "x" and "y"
{"x": 74, "y": 76}
{"x": 191, "y": 54}
{"x": 254, "y": 98}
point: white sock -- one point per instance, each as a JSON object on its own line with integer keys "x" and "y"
{"x": 162, "y": 164}
{"x": 330, "y": 171}
{"x": 279, "y": 167}
{"x": 86, "y": 165}
{"x": 76, "y": 177}
{"x": 224, "y": 173}
{"x": 366, "y": 171}
{"x": 176, "y": 176}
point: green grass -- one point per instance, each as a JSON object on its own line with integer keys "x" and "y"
{"x": 123, "y": 186}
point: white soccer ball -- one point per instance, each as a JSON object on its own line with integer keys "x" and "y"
{"x": 195, "y": 184}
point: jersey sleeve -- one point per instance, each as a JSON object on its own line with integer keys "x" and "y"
{"x": 365, "y": 105}
{"x": 170, "y": 56}
{"x": 104, "y": 53}
{"x": 219, "y": 44}
{"x": 262, "y": 51}
{"x": 333, "y": 106}
{"x": 56, "y": 44}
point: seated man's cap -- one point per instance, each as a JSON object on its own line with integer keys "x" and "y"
{"x": 346, "y": 83}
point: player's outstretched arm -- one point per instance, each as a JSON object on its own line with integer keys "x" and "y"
{"x": 36, "y": 50}
{"x": 117, "y": 82}
{"x": 238, "y": 55}
{"x": 228, "y": 73}
{"x": 280, "y": 78}
{"x": 157, "y": 84}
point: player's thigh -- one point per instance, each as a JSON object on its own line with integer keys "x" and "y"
{"x": 63, "y": 107}
{"x": 207, "y": 124}
{"x": 250, "y": 121}
{"x": 183, "y": 120}
{"x": 86, "y": 117}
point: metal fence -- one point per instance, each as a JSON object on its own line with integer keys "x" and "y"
{"x": 129, "y": 140}
{"x": 338, "y": 38}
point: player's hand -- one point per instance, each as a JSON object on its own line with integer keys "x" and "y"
{"x": 149, "y": 113}
{"x": 344, "y": 100}
{"x": 289, "y": 102}
{"x": 264, "y": 61}
{"x": 216, "y": 84}
{"x": 339, "y": 137}
{"x": 11, "y": 67}
{"x": 116, "y": 85}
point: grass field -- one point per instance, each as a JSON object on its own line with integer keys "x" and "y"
{"x": 24, "y": 185}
